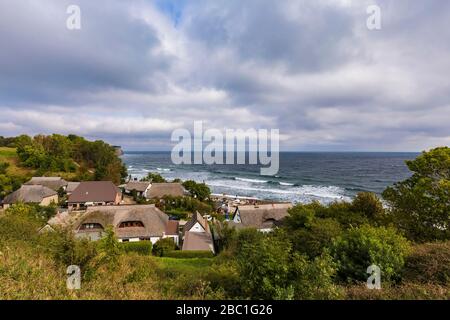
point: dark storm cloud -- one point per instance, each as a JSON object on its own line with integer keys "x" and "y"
{"x": 44, "y": 62}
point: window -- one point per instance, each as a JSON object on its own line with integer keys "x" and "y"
{"x": 91, "y": 226}
{"x": 131, "y": 224}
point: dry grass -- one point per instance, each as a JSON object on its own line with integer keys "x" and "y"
{"x": 406, "y": 291}
{"x": 30, "y": 273}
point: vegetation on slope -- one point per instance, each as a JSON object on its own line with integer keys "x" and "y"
{"x": 71, "y": 157}
{"x": 320, "y": 252}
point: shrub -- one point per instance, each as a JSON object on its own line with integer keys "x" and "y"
{"x": 368, "y": 204}
{"x": 314, "y": 279}
{"x": 315, "y": 238}
{"x": 163, "y": 246}
{"x": 429, "y": 263}
{"x": 3, "y": 167}
{"x": 189, "y": 254}
{"x": 17, "y": 227}
{"x": 109, "y": 247}
{"x": 66, "y": 250}
{"x": 140, "y": 247}
{"x": 361, "y": 247}
{"x": 263, "y": 268}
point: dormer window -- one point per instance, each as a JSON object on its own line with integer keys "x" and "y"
{"x": 131, "y": 224}
{"x": 91, "y": 226}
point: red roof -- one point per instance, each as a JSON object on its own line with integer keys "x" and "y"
{"x": 94, "y": 191}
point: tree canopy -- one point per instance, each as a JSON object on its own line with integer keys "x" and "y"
{"x": 420, "y": 205}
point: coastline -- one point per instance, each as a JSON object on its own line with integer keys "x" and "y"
{"x": 303, "y": 176}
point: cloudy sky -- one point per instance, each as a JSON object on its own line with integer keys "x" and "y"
{"x": 137, "y": 70}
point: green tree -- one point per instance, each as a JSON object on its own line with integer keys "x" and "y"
{"x": 263, "y": 267}
{"x": 198, "y": 190}
{"x": 154, "y": 177}
{"x": 420, "y": 205}
{"x": 358, "y": 248}
{"x": 269, "y": 269}
{"x": 313, "y": 239}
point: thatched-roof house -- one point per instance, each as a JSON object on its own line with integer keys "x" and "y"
{"x": 198, "y": 241}
{"x": 129, "y": 222}
{"x": 54, "y": 183}
{"x": 263, "y": 217}
{"x": 197, "y": 235}
{"x": 140, "y": 187}
{"x": 159, "y": 190}
{"x": 31, "y": 194}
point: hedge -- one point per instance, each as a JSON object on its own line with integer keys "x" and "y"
{"x": 140, "y": 247}
{"x": 189, "y": 254}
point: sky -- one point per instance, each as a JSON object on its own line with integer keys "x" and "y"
{"x": 137, "y": 70}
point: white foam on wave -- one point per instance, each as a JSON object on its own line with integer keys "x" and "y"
{"x": 262, "y": 189}
{"x": 297, "y": 192}
{"x": 250, "y": 180}
{"x": 286, "y": 184}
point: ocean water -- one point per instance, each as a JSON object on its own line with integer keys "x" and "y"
{"x": 303, "y": 176}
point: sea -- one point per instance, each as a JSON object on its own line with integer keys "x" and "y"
{"x": 303, "y": 176}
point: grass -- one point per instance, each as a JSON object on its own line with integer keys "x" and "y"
{"x": 9, "y": 155}
{"x": 6, "y": 152}
{"x": 184, "y": 265}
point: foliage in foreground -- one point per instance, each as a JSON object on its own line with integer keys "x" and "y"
{"x": 420, "y": 205}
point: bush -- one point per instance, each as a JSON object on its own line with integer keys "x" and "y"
{"x": 163, "y": 246}
{"x": 18, "y": 227}
{"x": 189, "y": 254}
{"x": 3, "y": 167}
{"x": 361, "y": 247}
{"x": 314, "y": 279}
{"x": 315, "y": 238}
{"x": 269, "y": 269}
{"x": 66, "y": 250}
{"x": 263, "y": 268}
{"x": 368, "y": 204}
{"x": 140, "y": 247}
{"x": 429, "y": 263}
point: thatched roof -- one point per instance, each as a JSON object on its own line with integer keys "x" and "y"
{"x": 159, "y": 190}
{"x": 139, "y": 186}
{"x": 198, "y": 241}
{"x": 29, "y": 194}
{"x": 53, "y": 183}
{"x": 94, "y": 191}
{"x": 154, "y": 220}
{"x": 264, "y": 216}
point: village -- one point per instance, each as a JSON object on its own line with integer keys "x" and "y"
{"x": 90, "y": 207}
